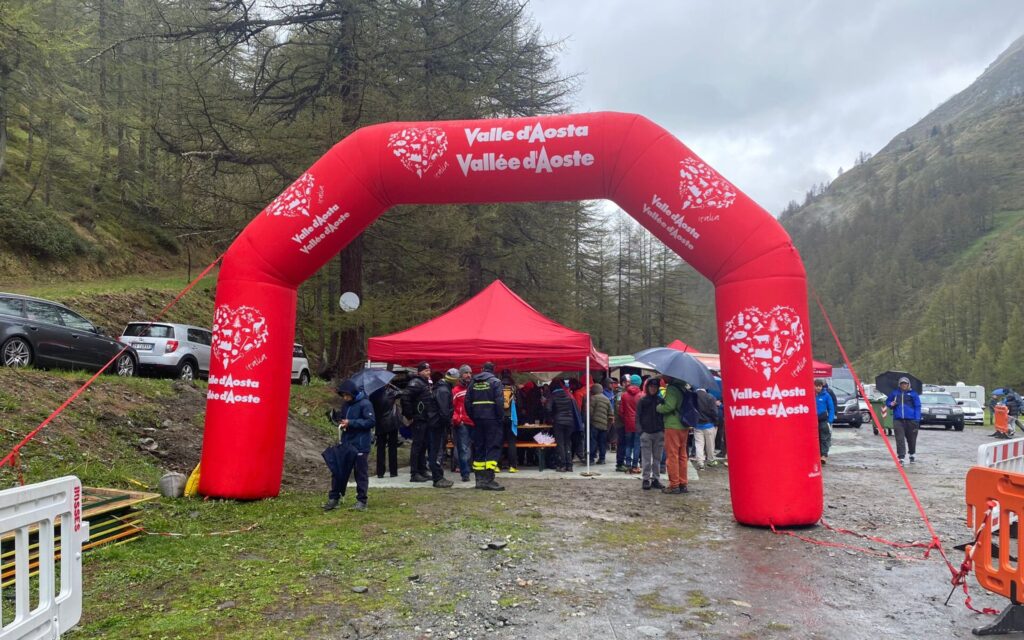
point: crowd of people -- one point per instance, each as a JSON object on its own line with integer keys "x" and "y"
{"x": 653, "y": 425}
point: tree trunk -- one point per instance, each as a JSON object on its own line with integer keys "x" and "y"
{"x": 351, "y": 349}
{"x": 351, "y": 346}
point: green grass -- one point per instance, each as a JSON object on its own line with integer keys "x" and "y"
{"x": 1003, "y": 221}
{"x": 295, "y": 569}
{"x": 62, "y": 288}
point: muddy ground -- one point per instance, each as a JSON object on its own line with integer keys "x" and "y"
{"x": 608, "y": 560}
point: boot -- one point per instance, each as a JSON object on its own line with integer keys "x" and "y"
{"x": 489, "y": 483}
{"x": 331, "y": 504}
{"x": 480, "y": 479}
{"x": 442, "y": 483}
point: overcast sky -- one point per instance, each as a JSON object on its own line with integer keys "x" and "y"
{"x": 777, "y": 94}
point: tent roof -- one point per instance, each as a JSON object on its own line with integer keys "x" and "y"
{"x": 495, "y": 325}
{"x": 679, "y": 345}
{"x": 822, "y": 369}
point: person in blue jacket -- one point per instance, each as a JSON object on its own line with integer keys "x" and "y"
{"x": 906, "y": 418}
{"x": 356, "y": 419}
{"x": 826, "y": 415}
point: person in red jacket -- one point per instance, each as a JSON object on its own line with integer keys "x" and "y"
{"x": 628, "y": 452}
{"x": 461, "y": 422}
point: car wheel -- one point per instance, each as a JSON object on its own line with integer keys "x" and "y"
{"x": 17, "y": 352}
{"x": 959, "y": 426}
{"x": 187, "y": 370}
{"x": 304, "y": 378}
{"x": 125, "y": 365}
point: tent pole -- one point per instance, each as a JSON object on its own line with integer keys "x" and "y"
{"x": 587, "y": 394}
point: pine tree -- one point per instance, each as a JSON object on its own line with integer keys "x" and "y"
{"x": 983, "y": 369}
{"x": 1010, "y": 365}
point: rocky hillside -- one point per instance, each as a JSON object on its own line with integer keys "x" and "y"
{"x": 915, "y": 250}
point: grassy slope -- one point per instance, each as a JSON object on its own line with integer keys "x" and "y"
{"x": 202, "y": 586}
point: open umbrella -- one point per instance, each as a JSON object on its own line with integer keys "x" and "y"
{"x": 370, "y": 380}
{"x": 679, "y": 365}
{"x": 890, "y": 381}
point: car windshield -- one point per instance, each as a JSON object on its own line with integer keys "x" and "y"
{"x": 974, "y": 404}
{"x": 145, "y": 330}
{"x": 937, "y": 398}
{"x": 843, "y": 387}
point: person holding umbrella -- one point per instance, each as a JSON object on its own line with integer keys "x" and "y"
{"x": 355, "y": 418}
{"x": 906, "y": 418}
{"x": 676, "y": 434}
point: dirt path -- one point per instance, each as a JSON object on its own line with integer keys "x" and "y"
{"x": 608, "y": 560}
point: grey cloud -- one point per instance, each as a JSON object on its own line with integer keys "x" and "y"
{"x": 776, "y": 93}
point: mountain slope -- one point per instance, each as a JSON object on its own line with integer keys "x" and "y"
{"x": 915, "y": 251}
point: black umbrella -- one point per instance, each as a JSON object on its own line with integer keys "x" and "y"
{"x": 679, "y": 365}
{"x": 340, "y": 459}
{"x": 890, "y": 381}
{"x": 370, "y": 380}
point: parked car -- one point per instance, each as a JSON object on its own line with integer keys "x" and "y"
{"x": 851, "y": 410}
{"x": 300, "y": 365}
{"x": 48, "y": 334}
{"x": 167, "y": 349}
{"x": 974, "y": 413}
{"x": 941, "y": 408}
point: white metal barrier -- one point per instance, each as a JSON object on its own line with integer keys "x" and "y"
{"x": 34, "y": 511}
{"x": 1005, "y": 455}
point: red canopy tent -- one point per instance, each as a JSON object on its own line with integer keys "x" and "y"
{"x": 495, "y": 325}
{"x": 821, "y": 369}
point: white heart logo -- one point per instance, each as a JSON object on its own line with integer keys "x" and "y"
{"x": 237, "y": 333}
{"x": 700, "y": 186}
{"x": 418, "y": 149}
{"x": 765, "y": 341}
{"x": 295, "y": 200}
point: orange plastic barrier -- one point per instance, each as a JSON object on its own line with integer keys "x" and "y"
{"x": 1002, "y": 574}
{"x": 1002, "y": 419}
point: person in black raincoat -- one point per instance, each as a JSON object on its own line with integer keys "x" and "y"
{"x": 420, "y": 406}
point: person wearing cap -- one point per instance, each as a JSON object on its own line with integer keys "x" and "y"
{"x": 826, "y": 410}
{"x": 627, "y": 454}
{"x": 420, "y": 407}
{"x": 485, "y": 404}
{"x": 906, "y": 418}
{"x": 461, "y": 422}
{"x": 356, "y": 419}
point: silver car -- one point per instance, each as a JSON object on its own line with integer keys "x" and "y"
{"x": 166, "y": 349}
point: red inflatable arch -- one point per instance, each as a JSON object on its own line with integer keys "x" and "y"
{"x": 760, "y": 284}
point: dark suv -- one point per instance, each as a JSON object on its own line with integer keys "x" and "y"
{"x": 941, "y": 408}
{"x": 850, "y": 409}
{"x": 47, "y": 334}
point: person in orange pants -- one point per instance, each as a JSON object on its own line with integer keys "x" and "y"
{"x": 676, "y": 434}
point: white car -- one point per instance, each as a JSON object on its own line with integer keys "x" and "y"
{"x": 974, "y": 413}
{"x": 300, "y": 365}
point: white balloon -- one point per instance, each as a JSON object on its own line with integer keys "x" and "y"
{"x": 349, "y": 301}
